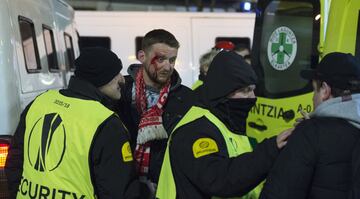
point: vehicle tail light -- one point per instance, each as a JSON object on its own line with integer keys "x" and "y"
{"x": 4, "y": 149}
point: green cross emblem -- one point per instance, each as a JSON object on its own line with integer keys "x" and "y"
{"x": 281, "y": 49}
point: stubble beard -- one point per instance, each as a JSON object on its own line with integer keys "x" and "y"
{"x": 154, "y": 77}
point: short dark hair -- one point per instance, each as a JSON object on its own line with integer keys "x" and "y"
{"x": 159, "y": 36}
{"x": 337, "y": 92}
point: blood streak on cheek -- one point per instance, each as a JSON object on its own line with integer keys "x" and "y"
{"x": 153, "y": 62}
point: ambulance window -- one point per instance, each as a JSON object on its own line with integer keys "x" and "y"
{"x": 69, "y": 53}
{"x": 357, "y": 48}
{"x": 285, "y": 42}
{"x": 104, "y": 42}
{"x": 30, "y": 49}
{"x": 138, "y": 42}
{"x": 50, "y": 49}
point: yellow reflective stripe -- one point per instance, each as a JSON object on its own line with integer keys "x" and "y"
{"x": 197, "y": 84}
{"x": 166, "y": 185}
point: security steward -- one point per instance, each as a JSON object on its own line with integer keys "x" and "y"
{"x": 68, "y": 144}
{"x": 208, "y": 153}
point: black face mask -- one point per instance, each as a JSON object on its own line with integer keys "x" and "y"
{"x": 233, "y": 112}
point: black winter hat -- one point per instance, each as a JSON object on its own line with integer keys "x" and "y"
{"x": 97, "y": 65}
{"x": 227, "y": 72}
{"x": 339, "y": 70}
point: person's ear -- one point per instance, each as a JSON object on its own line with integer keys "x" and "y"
{"x": 325, "y": 91}
{"x": 141, "y": 56}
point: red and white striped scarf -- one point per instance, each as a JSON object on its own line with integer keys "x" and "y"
{"x": 150, "y": 126}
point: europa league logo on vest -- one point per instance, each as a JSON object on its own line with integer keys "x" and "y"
{"x": 47, "y": 143}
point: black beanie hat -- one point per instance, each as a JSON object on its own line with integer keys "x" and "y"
{"x": 227, "y": 72}
{"x": 97, "y": 65}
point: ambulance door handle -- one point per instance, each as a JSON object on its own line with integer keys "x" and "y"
{"x": 257, "y": 126}
{"x": 288, "y": 115}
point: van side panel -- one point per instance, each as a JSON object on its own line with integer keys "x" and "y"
{"x": 205, "y": 30}
{"x": 9, "y": 79}
{"x": 18, "y": 86}
{"x": 40, "y": 13}
{"x": 64, "y": 17}
{"x": 123, "y": 27}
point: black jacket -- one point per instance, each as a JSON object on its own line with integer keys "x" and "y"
{"x": 216, "y": 174}
{"x": 179, "y": 101}
{"x": 111, "y": 177}
{"x": 316, "y": 162}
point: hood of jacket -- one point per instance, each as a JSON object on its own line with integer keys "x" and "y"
{"x": 227, "y": 72}
{"x": 336, "y": 107}
{"x": 175, "y": 77}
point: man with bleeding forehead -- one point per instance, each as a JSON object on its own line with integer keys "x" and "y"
{"x": 154, "y": 101}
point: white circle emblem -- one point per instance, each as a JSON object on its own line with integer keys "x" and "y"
{"x": 282, "y": 48}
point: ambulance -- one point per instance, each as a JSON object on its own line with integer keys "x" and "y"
{"x": 289, "y": 36}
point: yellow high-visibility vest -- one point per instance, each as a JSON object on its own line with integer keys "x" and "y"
{"x": 58, "y": 136}
{"x": 235, "y": 144}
